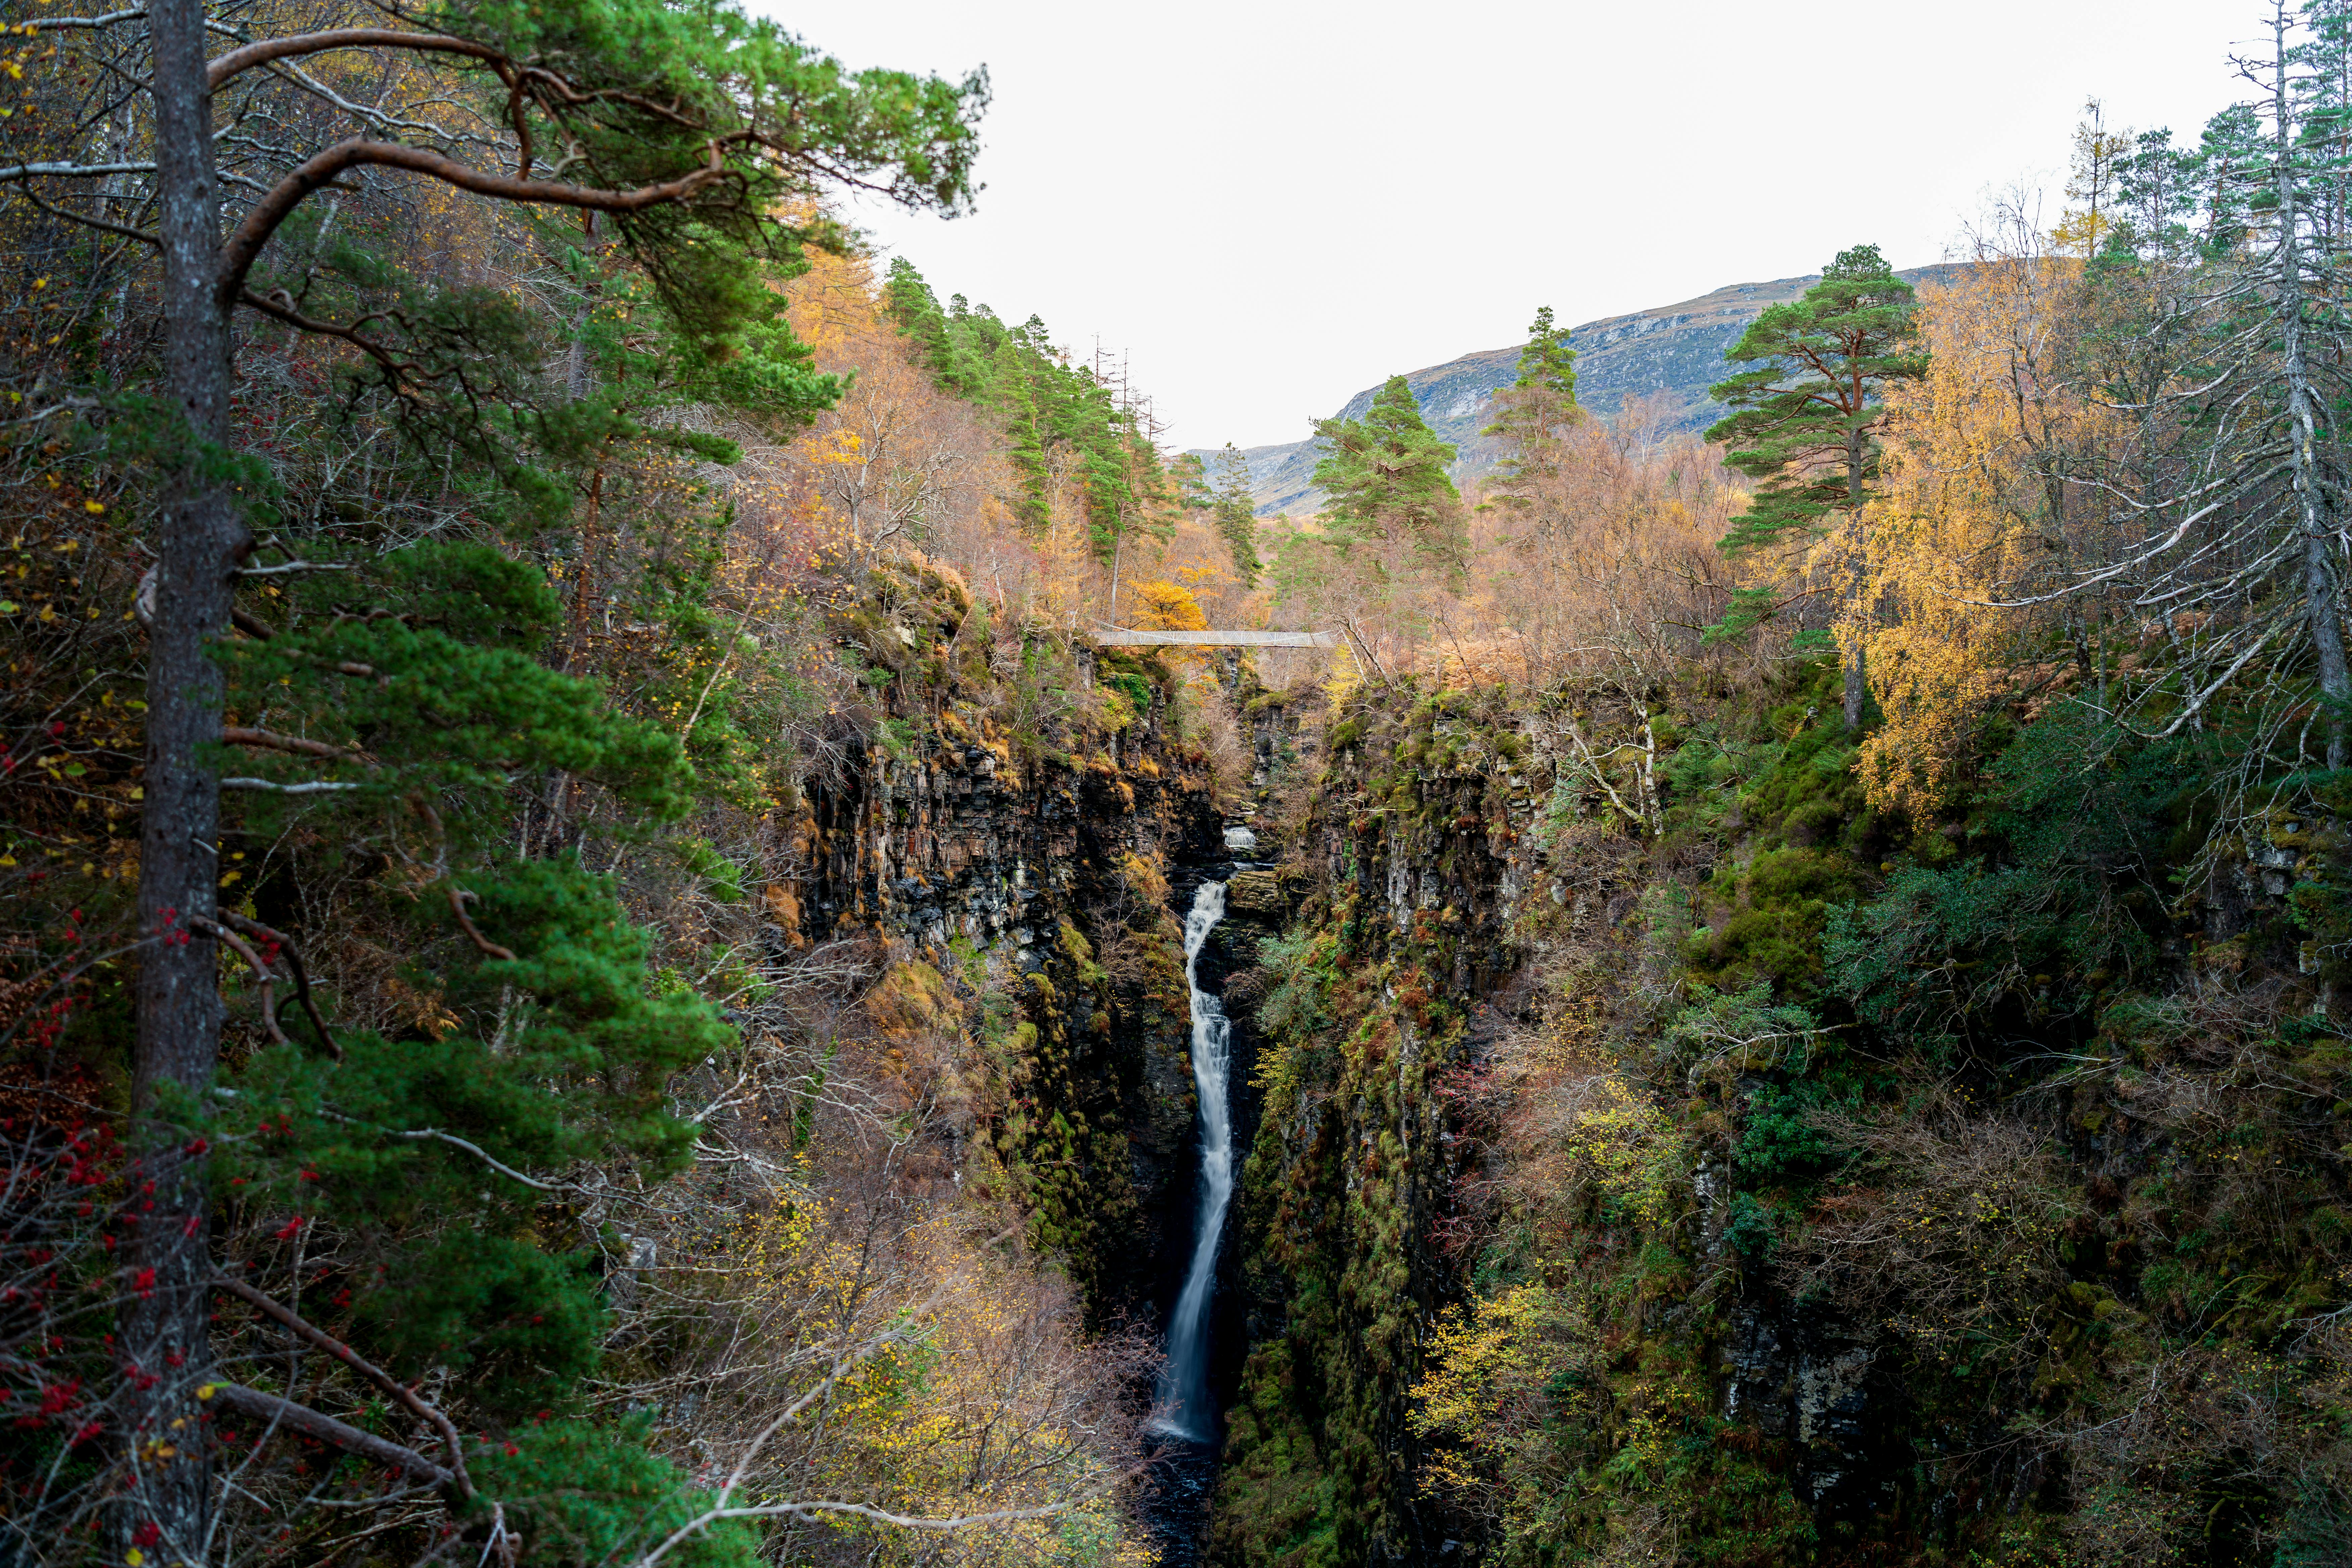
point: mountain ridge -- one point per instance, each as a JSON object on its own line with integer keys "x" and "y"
{"x": 1673, "y": 352}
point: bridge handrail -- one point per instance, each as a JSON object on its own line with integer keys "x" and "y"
{"x": 1108, "y": 635}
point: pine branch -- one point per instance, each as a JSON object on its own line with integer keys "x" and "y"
{"x": 294, "y": 961}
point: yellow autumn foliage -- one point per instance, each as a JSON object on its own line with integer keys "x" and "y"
{"x": 1973, "y": 502}
{"x": 1488, "y": 1364}
{"x": 1628, "y": 1149}
{"x": 1159, "y": 605}
{"x": 951, "y": 1382}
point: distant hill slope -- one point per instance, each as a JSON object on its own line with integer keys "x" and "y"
{"x": 1675, "y": 351}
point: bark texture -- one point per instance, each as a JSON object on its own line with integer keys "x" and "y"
{"x": 204, "y": 538}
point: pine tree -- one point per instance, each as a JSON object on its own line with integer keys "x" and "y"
{"x": 2156, "y": 196}
{"x": 916, "y": 311}
{"x": 421, "y": 677}
{"x": 1807, "y": 417}
{"x": 2231, "y": 168}
{"x": 1015, "y": 395}
{"x": 1053, "y": 413}
{"x": 1235, "y": 511}
{"x": 2099, "y": 156}
{"x": 1534, "y": 415}
{"x": 1387, "y": 479}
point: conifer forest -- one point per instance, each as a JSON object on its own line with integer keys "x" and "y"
{"x": 671, "y": 896}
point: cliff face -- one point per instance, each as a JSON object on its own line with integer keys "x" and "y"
{"x": 1409, "y": 868}
{"x": 1438, "y": 1033}
{"x": 1661, "y": 1154}
{"x": 1670, "y": 1160}
{"x": 1669, "y": 354}
{"x": 1034, "y": 892}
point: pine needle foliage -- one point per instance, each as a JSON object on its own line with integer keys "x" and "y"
{"x": 1534, "y": 414}
{"x": 1803, "y": 419}
{"x": 1070, "y": 428}
{"x": 1388, "y": 480}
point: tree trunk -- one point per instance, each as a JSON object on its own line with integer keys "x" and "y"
{"x": 165, "y": 1342}
{"x": 2318, "y": 572}
{"x": 1857, "y": 686}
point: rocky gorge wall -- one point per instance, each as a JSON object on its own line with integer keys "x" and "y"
{"x": 1404, "y": 874}
{"x": 1023, "y": 903}
{"x": 1647, "y": 1157}
{"x": 1482, "y": 933}
{"x": 1666, "y": 1157}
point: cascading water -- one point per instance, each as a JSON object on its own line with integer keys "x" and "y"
{"x": 1184, "y": 1407}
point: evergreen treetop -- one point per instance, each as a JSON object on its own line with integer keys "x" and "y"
{"x": 1388, "y": 480}
{"x": 1804, "y": 417}
{"x": 1547, "y": 363}
{"x": 1235, "y": 511}
{"x": 1534, "y": 414}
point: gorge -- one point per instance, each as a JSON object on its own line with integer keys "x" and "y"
{"x": 1448, "y": 931}
{"x": 668, "y": 900}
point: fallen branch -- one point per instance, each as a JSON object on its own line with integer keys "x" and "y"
{"x": 284, "y": 567}
{"x": 270, "y": 787}
{"x": 1363, "y": 649}
{"x": 1593, "y": 770}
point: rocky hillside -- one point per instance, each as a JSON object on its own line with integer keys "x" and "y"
{"x": 1671, "y": 353}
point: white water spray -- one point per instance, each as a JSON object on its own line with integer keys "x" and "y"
{"x": 1184, "y": 1409}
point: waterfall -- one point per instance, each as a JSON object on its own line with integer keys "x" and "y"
{"x": 1184, "y": 1409}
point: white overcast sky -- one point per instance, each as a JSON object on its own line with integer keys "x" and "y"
{"x": 1267, "y": 206}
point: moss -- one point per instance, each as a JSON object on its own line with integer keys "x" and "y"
{"x": 913, "y": 996}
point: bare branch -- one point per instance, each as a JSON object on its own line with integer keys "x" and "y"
{"x": 270, "y": 741}
{"x": 296, "y": 45}
{"x": 479, "y": 1154}
{"x": 261, "y": 971}
{"x": 279, "y": 304}
{"x": 407, "y": 1397}
{"x": 270, "y": 787}
{"x": 811, "y": 1509}
{"x": 52, "y": 24}
{"x": 457, "y": 899}
{"x": 293, "y": 961}
{"x": 105, "y": 225}
{"x": 71, "y": 171}
{"x": 301, "y": 1418}
{"x": 244, "y": 246}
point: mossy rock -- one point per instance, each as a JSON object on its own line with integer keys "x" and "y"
{"x": 1258, "y": 893}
